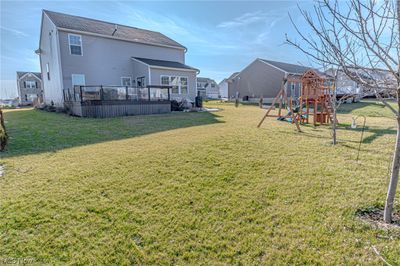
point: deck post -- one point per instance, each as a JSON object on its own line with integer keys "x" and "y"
{"x": 148, "y": 88}
{"x": 80, "y": 93}
{"x": 169, "y": 95}
{"x": 126, "y": 93}
{"x": 101, "y": 92}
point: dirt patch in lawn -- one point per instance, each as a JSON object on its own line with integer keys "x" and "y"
{"x": 374, "y": 216}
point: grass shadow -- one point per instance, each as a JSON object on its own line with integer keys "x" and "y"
{"x": 33, "y": 131}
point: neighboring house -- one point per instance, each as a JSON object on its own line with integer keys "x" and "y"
{"x": 376, "y": 77}
{"x": 82, "y": 51}
{"x": 223, "y": 89}
{"x": 263, "y": 78}
{"x": 345, "y": 87}
{"x": 29, "y": 87}
{"x": 207, "y": 88}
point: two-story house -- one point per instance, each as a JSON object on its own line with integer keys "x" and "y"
{"x": 82, "y": 51}
{"x": 29, "y": 87}
{"x": 207, "y": 88}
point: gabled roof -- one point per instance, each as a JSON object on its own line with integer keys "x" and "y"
{"x": 21, "y": 73}
{"x": 128, "y": 33}
{"x": 233, "y": 75}
{"x": 202, "y": 79}
{"x": 164, "y": 64}
{"x": 289, "y": 68}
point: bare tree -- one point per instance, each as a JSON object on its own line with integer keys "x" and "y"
{"x": 362, "y": 39}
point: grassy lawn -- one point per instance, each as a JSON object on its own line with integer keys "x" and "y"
{"x": 194, "y": 188}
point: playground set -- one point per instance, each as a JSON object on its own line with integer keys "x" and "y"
{"x": 315, "y": 99}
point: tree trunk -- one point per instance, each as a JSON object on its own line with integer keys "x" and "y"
{"x": 394, "y": 178}
{"x": 334, "y": 126}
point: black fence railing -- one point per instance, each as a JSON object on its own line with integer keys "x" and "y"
{"x": 117, "y": 93}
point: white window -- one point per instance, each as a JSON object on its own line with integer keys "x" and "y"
{"x": 75, "y": 44}
{"x": 48, "y": 71}
{"x": 141, "y": 82}
{"x": 184, "y": 85}
{"x": 30, "y": 84}
{"x": 179, "y": 84}
{"x": 165, "y": 80}
{"x": 78, "y": 80}
{"x": 126, "y": 81}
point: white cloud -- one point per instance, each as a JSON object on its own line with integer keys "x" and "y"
{"x": 244, "y": 20}
{"x": 17, "y": 33}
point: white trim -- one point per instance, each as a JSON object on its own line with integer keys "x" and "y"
{"x": 130, "y": 81}
{"x": 175, "y": 69}
{"x": 120, "y": 39}
{"x": 179, "y": 86}
{"x": 69, "y": 44}
{"x": 144, "y": 81}
{"x": 27, "y": 74}
{"x": 148, "y": 69}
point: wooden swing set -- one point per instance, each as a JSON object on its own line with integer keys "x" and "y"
{"x": 316, "y": 92}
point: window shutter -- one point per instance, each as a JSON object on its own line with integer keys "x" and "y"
{"x": 36, "y": 84}
{"x": 24, "y": 84}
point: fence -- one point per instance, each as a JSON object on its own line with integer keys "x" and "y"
{"x": 116, "y": 93}
{"x": 111, "y": 101}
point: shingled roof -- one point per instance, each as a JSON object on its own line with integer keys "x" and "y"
{"x": 289, "y": 68}
{"x": 21, "y": 73}
{"x": 107, "y": 28}
{"x": 164, "y": 63}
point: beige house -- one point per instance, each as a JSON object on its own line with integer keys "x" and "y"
{"x": 263, "y": 78}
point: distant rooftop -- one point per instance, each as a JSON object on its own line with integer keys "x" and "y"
{"x": 289, "y": 68}
{"x": 21, "y": 73}
{"x": 107, "y": 28}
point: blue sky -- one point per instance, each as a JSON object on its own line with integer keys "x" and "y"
{"x": 221, "y": 37}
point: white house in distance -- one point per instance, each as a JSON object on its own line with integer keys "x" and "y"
{"x": 207, "y": 88}
{"x": 224, "y": 86}
{"x": 82, "y": 51}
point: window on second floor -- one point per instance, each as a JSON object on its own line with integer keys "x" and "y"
{"x": 30, "y": 84}
{"x": 75, "y": 44}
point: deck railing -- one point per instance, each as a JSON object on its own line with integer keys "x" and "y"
{"x": 117, "y": 93}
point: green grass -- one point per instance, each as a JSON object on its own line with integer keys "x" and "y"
{"x": 193, "y": 188}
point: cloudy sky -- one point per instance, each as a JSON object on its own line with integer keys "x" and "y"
{"x": 222, "y": 36}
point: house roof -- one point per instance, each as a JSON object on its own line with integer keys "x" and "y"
{"x": 201, "y": 79}
{"x": 233, "y": 75}
{"x": 21, "y": 73}
{"x": 289, "y": 68}
{"x": 163, "y": 63}
{"x": 107, "y": 29}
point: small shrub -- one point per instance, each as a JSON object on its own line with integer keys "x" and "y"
{"x": 3, "y": 132}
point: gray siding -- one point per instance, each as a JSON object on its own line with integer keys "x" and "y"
{"x": 105, "y": 60}
{"x": 156, "y": 74}
{"x": 259, "y": 80}
{"x": 140, "y": 70}
{"x": 256, "y": 80}
{"x": 23, "y": 90}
